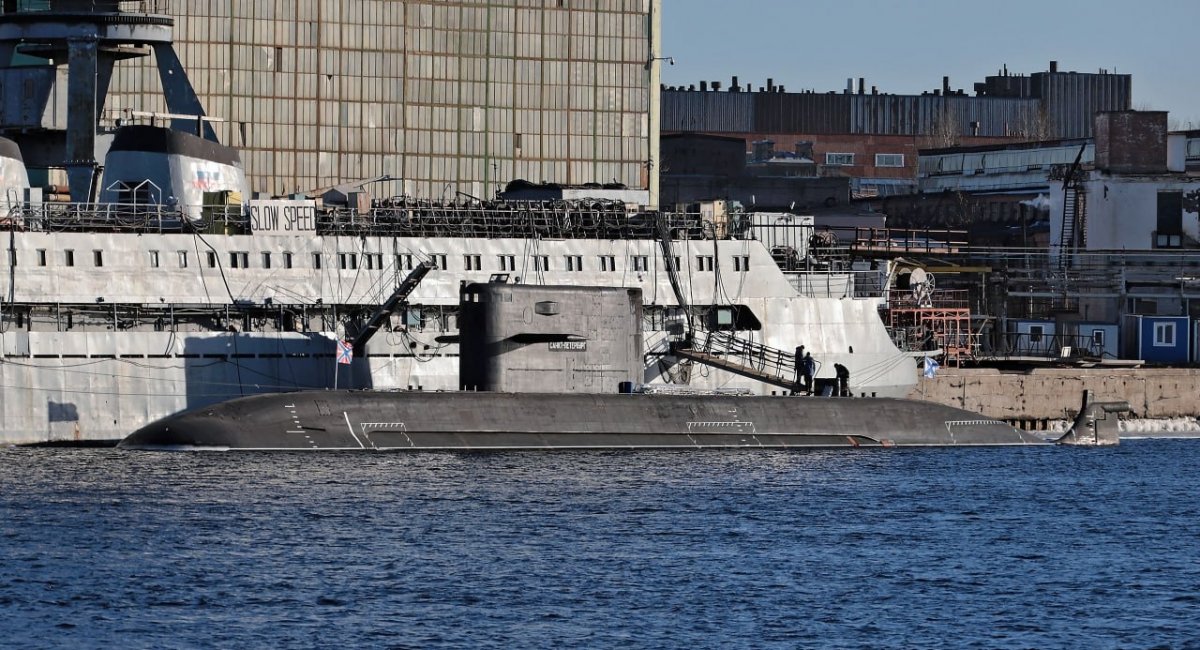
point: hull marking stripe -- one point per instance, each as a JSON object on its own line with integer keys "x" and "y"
{"x": 350, "y": 428}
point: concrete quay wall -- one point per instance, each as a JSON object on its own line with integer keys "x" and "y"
{"x": 1056, "y": 393}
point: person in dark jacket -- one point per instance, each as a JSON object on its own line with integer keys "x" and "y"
{"x": 799, "y": 367}
{"x": 808, "y": 367}
{"x": 843, "y": 379}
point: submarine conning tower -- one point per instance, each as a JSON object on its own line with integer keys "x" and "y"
{"x": 89, "y": 37}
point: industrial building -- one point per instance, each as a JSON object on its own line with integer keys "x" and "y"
{"x": 873, "y": 137}
{"x": 431, "y": 98}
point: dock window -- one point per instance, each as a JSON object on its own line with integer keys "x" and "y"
{"x": 541, "y": 262}
{"x": 211, "y": 258}
{"x": 508, "y": 262}
{"x": 438, "y": 260}
{"x": 1164, "y": 335}
{"x": 97, "y": 258}
{"x": 472, "y": 263}
{"x": 287, "y": 260}
{"x": 316, "y": 258}
{"x": 266, "y": 260}
{"x": 889, "y": 160}
{"x": 1170, "y": 220}
{"x": 574, "y": 262}
{"x": 741, "y": 263}
{"x": 640, "y": 263}
{"x": 347, "y": 261}
{"x": 183, "y": 261}
{"x": 608, "y": 263}
{"x": 69, "y": 257}
{"x": 41, "y": 257}
{"x": 704, "y": 262}
{"x": 404, "y": 262}
{"x": 239, "y": 260}
{"x": 838, "y": 159}
{"x": 153, "y": 259}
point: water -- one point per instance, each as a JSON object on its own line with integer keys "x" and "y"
{"x": 989, "y": 548}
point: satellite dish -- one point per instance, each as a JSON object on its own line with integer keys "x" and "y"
{"x": 921, "y": 283}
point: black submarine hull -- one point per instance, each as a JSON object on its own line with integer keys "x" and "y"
{"x": 421, "y": 421}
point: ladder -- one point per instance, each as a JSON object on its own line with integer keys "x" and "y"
{"x": 1073, "y": 234}
{"x": 754, "y": 360}
{"x": 386, "y": 310}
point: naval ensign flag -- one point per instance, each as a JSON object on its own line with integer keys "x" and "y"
{"x": 345, "y": 352}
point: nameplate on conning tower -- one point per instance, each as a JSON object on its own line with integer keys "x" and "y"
{"x": 560, "y": 346}
{"x": 283, "y": 217}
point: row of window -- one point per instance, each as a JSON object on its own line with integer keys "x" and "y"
{"x": 881, "y": 159}
{"x": 403, "y": 261}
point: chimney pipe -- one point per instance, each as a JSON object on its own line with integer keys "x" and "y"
{"x": 1054, "y": 66}
{"x": 850, "y": 86}
{"x": 862, "y": 86}
{"x": 703, "y": 86}
{"x": 945, "y": 85}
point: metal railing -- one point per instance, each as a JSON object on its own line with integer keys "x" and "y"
{"x": 908, "y": 240}
{"x": 97, "y": 6}
{"x": 765, "y": 360}
{"x": 1041, "y": 346}
{"x": 123, "y": 217}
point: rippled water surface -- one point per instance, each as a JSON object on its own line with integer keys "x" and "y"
{"x": 990, "y": 548}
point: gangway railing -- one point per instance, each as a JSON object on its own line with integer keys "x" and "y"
{"x": 753, "y": 360}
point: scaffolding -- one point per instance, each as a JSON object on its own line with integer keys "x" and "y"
{"x": 943, "y": 324}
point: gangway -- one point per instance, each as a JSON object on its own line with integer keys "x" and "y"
{"x": 387, "y": 308}
{"x": 754, "y": 360}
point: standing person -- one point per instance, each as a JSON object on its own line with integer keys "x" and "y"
{"x": 799, "y": 367}
{"x": 808, "y": 367}
{"x": 843, "y": 378}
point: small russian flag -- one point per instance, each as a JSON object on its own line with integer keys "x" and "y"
{"x": 345, "y": 353}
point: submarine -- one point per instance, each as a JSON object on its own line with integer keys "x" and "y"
{"x": 431, "y": 421}
{"x": 518, "y": 393}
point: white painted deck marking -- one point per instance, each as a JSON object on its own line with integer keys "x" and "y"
{"x": 384, "y": 426}
{"x": 350, "y": 427}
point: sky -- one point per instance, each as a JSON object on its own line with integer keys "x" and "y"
{"x": 907, "y": 47}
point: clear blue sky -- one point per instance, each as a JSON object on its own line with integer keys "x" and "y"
{"x": 906, "y": 47}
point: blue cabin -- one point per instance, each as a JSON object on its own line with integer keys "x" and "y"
{"x": 1157, "y": 339}
{"x": 1032, "y": 338}
{"x": 1095, "y": 339}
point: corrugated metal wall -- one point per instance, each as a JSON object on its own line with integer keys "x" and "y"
{"x": 447, "y": 96}
{"x": 725, "y": 112}
{"x": 926, "y": 114}
{"x": 708, "y": 112}
{"x": 1072, "y": 99}
{"x": 802, "y": 113}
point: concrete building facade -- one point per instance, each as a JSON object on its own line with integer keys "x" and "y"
{"x": 441, "y": 97}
